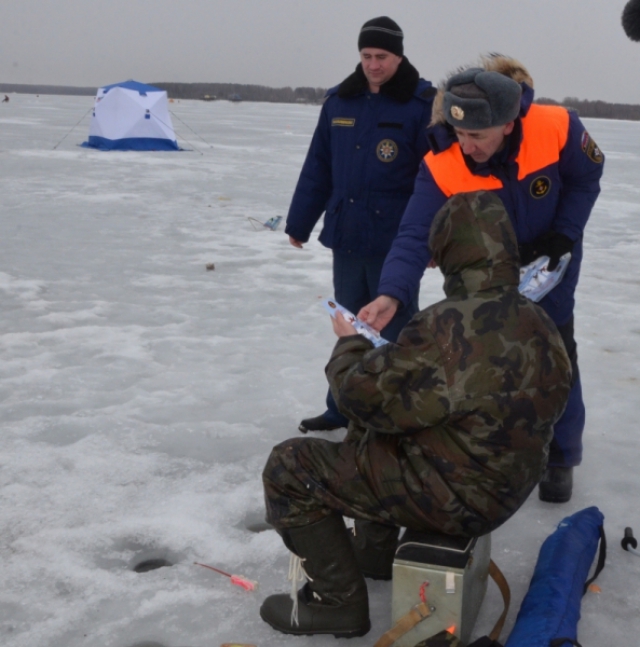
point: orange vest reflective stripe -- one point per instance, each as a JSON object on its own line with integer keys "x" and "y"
{"x": 545, "y": 130}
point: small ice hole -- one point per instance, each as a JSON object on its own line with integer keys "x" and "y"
{"x": 151, "y": 565}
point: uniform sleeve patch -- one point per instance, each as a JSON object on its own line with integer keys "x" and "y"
{"x": 591, "y": 149}
{"x": 343, "y": 121}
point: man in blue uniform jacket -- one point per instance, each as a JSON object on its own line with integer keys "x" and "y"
{"x": 360, "y": 171}
{"x": 488, "y": 134}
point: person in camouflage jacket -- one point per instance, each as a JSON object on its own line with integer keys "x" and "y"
{"x": 450, "y": 426}
{"x": 453, "y": 422}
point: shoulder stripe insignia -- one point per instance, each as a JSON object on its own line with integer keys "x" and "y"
{"x": 343, "y": 121}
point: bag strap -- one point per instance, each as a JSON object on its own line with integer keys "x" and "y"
{"x": 405, "y": 624}
{"x": 501, "y": 581}
{"x": 602, "y": 555}
{"x": 503, "y": 586}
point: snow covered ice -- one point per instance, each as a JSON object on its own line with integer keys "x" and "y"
{"x": 140, "y": 394}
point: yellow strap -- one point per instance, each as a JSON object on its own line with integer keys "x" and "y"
{"x": 405, "y": 624}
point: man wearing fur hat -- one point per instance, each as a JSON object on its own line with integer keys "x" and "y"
{"x": 541, "y": 161}
{"x": 360, "y": 171}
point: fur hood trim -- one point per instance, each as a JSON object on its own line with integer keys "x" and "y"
{"x": 491, "y": 63}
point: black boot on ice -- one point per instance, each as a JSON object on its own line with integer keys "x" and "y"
{"x": 375, "y": 545}
{"x": 334, "y": 600}
{"x": 556, "y": 485}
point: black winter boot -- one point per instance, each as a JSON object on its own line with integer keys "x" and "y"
{"x": 334, "y": 600}
{"x": 375, "y": 545}
{"x": 556, "y": 485}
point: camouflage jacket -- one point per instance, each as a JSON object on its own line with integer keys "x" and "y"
{"x": 466, "y": 400}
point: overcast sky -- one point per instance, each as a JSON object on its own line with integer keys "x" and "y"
{"x": 571, "y": 47}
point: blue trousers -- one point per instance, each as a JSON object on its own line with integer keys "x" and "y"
{"x": 566, "y": 446}
{"x": 355, "y": 284}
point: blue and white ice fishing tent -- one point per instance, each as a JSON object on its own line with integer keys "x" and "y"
{"x": 131, "y": 116}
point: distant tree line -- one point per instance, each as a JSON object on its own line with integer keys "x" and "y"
{"x": 597, "y": 109}
{"x": 19, "y": 88}
{"x": 240, "y": 92}
{"x": 237, "y": 91}
{"x": 211, "y": 91}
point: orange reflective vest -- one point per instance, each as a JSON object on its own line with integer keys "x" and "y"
{"x": 544, "y": 134}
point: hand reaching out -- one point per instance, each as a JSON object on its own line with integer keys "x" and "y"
{"x": 379, "y": 312}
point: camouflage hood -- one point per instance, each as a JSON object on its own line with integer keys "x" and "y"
{"x": 474, "y": 244}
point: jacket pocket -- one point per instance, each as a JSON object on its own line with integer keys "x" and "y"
{"x": 330, "y": 234}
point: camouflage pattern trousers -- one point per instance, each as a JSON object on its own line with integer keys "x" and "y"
{"x": 306, "y": 479}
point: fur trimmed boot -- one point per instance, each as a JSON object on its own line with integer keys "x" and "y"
{"x": 375, "y": 545}
{"x": 334, "y": 600}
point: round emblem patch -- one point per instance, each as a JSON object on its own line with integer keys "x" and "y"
{"x": 387, "y": 150}
{"x": 457, "y": 113}
{"x": 540, "y": 187}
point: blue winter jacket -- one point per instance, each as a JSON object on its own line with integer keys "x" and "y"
{"x": 362, "y": 162}
{"x": 558, "y": 197}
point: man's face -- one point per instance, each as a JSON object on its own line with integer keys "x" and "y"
{"x": 378, "y": 66}
{"x": 480, "y": 145}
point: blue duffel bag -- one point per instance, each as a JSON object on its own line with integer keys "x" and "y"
{"x": 550, "y": 610}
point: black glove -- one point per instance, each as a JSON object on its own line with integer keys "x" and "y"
{"x": 551, "y": 244}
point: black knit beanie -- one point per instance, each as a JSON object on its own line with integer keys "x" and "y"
{"x": 381, "y": 33}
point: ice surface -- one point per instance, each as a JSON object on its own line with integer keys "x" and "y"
{"x": 140, "y": 393}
